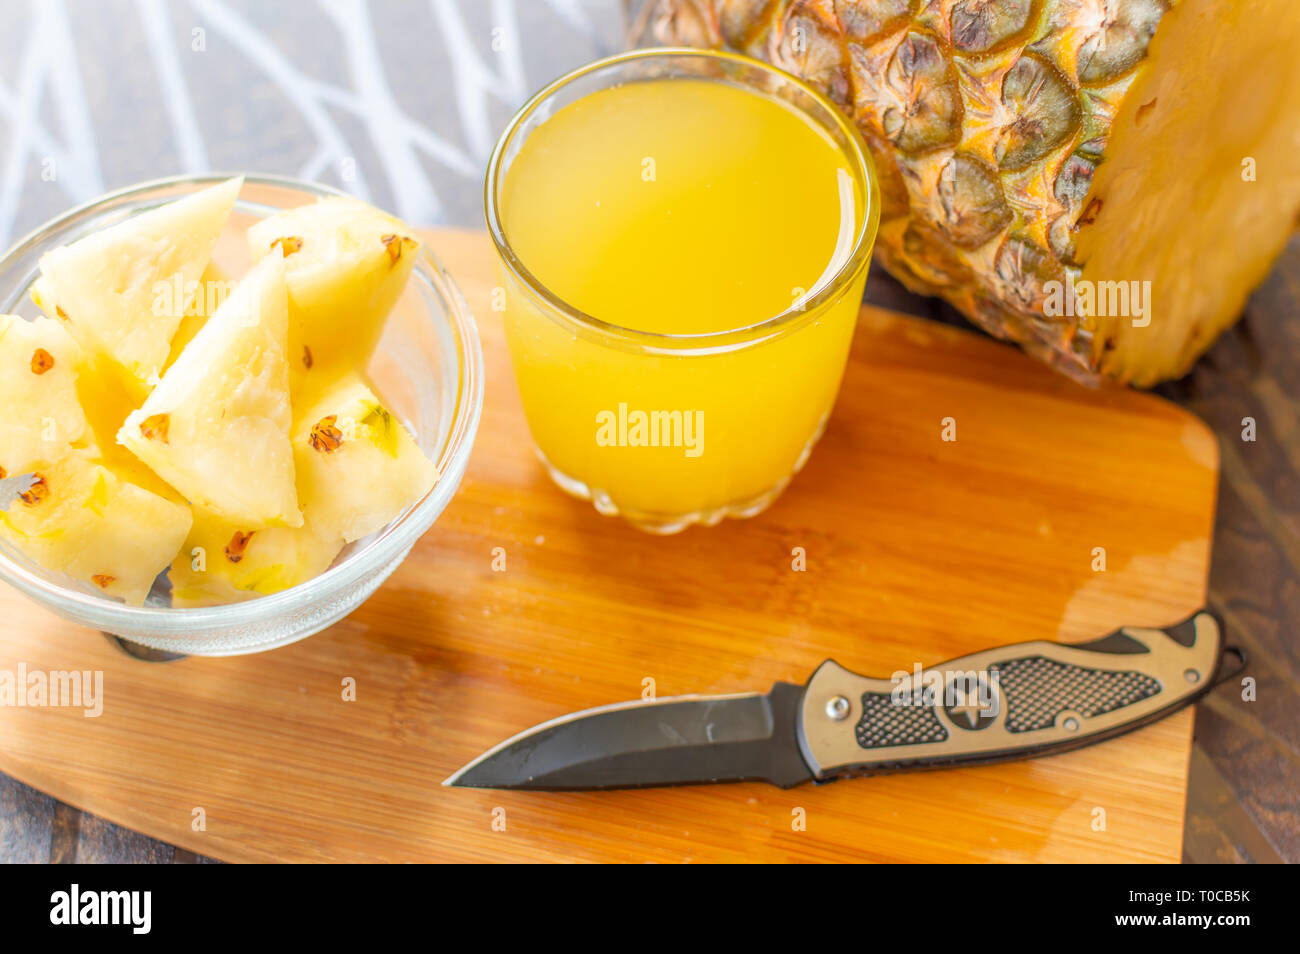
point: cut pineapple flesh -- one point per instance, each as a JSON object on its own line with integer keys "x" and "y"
{"x": 207, "y": 471}
{"x": 221, "y": 563}
{"x": 1026, "y": 145}
{"x": 79, "y": 518}
{"x": 358, "y": 468}
{"x": 124, "y": 291}
{"x": 346, "y": 264}
{"x": 101, "y": 395}
{"x": 1207, "y": 235}
{"x": 217, "y": 426}
{"x": 214, "y": 288}
{"x": 107, "y": 403}
{"x": 43, "y": 419}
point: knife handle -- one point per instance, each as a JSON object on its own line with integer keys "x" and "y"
{"x": 1012, "y": 702}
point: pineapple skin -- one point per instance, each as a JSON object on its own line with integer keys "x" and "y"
{"x": 1022, "y": 143}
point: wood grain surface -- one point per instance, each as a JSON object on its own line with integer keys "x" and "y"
{"x": 1246, "y": 770}
{"x": 917, "y": 550}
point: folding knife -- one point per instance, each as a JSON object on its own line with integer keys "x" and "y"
{"x": 1014, "y": 702}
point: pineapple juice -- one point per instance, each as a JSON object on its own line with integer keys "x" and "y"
{"x": 707, "y": 245}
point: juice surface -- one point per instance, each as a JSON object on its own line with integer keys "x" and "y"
{"x": 679, "y": 206}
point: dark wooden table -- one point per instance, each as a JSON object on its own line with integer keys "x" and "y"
{"x": 1245, "y": 767}
{"x": 147, "y": 91}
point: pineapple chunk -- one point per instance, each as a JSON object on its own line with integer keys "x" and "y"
{"x": 79, "y": 518}
{"x": 38, "y": 390}
{"x": 220, "y": 563}
{"x": 107, "y": 404}
{"x": 103, "y": 399}
{"x": 217, "y": 426}
{"x": 214, "y": 288}
{"x": 357, "y": 466}
{"x": 357, "y": 469}
{"x": 346, "y": 264}
{"x": 125, "y": 290}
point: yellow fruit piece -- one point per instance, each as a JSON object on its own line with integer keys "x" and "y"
{"x": 107, "y": 403}
{"x": 217, "y": 426}
{"x": 124, "y": 290}
{"x": 214, "y": 287}
{"x": 79, "y": 518}
{"x": 357, "y": 469}
{"x": 220, "y": 563}
{"x": 42, "y": 420}
{"x": 357, "y": 466}
{"x": 60, "y": 400}
{"x": 346, "y": 264}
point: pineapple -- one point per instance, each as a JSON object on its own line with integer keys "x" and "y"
{"x": 220, "y": 563}
{"x": 102, "y": 398}
{"x": 357, "y": 466}
{"x": 77, "y": 517}
{"x": 214, "y": 288}
{"x": 357, "y": 469}
{"x": 1029, "y": 148}
{"x": 107, "y": 402}
{"x": 73, "y": 514}
{"x": 38, "y": 388}
{"x": 346, "y": 264}
{"x": 217, "y": 426}
{"x": 124, "y": 290}
{"x": 148, "y": 430}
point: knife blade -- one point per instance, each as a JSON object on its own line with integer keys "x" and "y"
{"x": 1017, "y": 701}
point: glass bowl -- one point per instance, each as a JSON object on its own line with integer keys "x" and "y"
{"x": 429, "y": 368}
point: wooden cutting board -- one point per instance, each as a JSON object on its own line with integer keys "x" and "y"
{"x": 917, "y": 550}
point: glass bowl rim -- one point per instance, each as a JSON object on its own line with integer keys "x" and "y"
{"x": 702, "y": 342}
{"x": 391, "y": 543}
